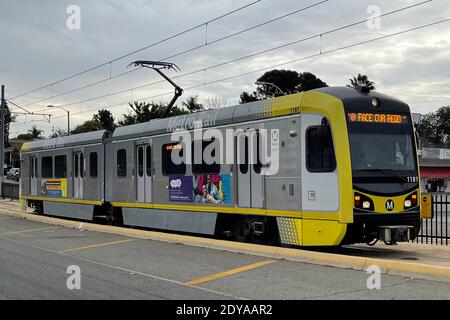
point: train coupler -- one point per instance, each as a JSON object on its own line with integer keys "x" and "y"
{"x": 393, "y": 234}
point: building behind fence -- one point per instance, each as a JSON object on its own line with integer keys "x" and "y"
{"x": 436, "y": 230}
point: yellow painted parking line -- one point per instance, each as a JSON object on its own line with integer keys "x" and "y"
{"x": 230, "y": 272}
{"x": 95, "y": 246}
{"x": 28, "y": 230}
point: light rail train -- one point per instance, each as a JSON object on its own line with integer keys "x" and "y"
{"x": 347, "y": 172}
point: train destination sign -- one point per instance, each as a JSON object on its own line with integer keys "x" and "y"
{"x": 377, "y": 117}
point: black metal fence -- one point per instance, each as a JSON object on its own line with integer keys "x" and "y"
{"x": 437, "y": 229}
{"x": 10, "y": 190}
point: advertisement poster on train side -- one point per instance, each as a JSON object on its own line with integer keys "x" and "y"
{"x": 54, "y": 187}
{"x": 200, "y": 189}
{"x": 180, "y": 189}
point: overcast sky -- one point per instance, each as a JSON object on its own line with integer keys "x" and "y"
{"x": 38, "y": 48}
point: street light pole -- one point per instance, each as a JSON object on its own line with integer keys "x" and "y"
{"x": 270, "y": 84}
{"x": 68, "y": 116}
{"x": 2, "y": 138}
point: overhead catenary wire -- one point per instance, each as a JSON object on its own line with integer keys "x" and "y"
{"x": 343, "y": 27}
{"x": 138, "y": 50}
{"x": 192, "y": 49}
{"x": 283, "y": 63}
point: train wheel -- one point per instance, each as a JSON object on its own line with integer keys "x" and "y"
{"x": 241, "y": 230}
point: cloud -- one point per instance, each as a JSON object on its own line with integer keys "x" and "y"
{"x": 40, "y": 49}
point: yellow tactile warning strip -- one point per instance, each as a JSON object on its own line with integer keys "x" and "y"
{"x": 288, "y": 231}
{"x": 321, "y": 258}
{"x": 229, "y": 272}
{"x": 25, "y": 231}
{"x": 95, "y": 246}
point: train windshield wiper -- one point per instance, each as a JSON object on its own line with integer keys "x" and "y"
{"x": 387, "y": 172}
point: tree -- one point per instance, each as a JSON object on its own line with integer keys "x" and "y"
{"x": 362, "y": 80}
{"x": 282, "y": 82}
{"x": 57, "y": 132}
{"x": 32, "y": 134}
{"x": 248, "y": 97}
{"x": 8, "y": 119}
{"x": 87, "y": 126}
{"x": 105, "y": 119}
{"x": 213, "y": 103}
{"x": 192, "y": 104}
{"x": 443, "y": 114}
{"x": 434, "y": 128}
{"x": 309, "y": 81}
{"x": 144, "y": 111}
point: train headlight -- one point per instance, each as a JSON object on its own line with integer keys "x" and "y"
{"x": 363, "y": 202}
{"x": 408, "y": 203}
{"x": 375, "y": 102}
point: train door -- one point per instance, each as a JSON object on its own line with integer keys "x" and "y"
{"x": 78, "y": 174}
{"x": 250, "y": 181}
{"x": 144, "y": 173}
{"x": 33, "y": 176}
{"x": 320, "y": 183}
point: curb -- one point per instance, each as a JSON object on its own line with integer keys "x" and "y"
{"x": 328, "y": 259}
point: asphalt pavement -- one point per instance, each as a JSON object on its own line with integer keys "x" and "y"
{"x": 37, "y": 261}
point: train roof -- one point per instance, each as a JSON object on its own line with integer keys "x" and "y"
{"x": 234, "y": 114}
{"x": 210, "y": 118}
{"x": 246, "y": 112}
{"x": 66, "y": 141}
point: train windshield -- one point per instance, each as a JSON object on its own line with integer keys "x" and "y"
{"x": 382, "y": 150}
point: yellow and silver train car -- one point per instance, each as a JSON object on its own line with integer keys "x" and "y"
{"x": 347, "y": 172}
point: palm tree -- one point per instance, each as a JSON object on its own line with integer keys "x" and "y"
{"x": 362, "y": 81}
{"x": 35, "y": 133}
{"x": 192, "y": 104}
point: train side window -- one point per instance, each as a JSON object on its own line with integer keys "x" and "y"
{"x": 148, "y": 158}
{"x": 61, "y": 166}
{"x": 93, "y": 165}
{"x": 168, "y": 166}
{"x": 203, "y": 167}
{"x": 320, "y": 155}
{"x": 35, "y": 164}
{"x": 258, "y": 165}
{"x": 141, "y": 161}
{"x": 243, "y": 167}
{"x": 47, "y": 167}
{"x": 121, "y": 163}
{"x": 76, "y": 165}
{"x": 81, "y": 165}
{"x": 32, "y": 167}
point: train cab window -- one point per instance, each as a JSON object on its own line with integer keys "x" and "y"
{"x": 320, "y": 155}
{"x": 199, "y": 166}
{"x": 121, "y": 163}
{"x": 47, "y": 167}
{"x": 93, "y": 165}
{"x": 61, "y": 166}
{"x": 168, "y": 166}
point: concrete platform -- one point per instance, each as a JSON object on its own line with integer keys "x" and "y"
{"x": 35, "y": 257}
